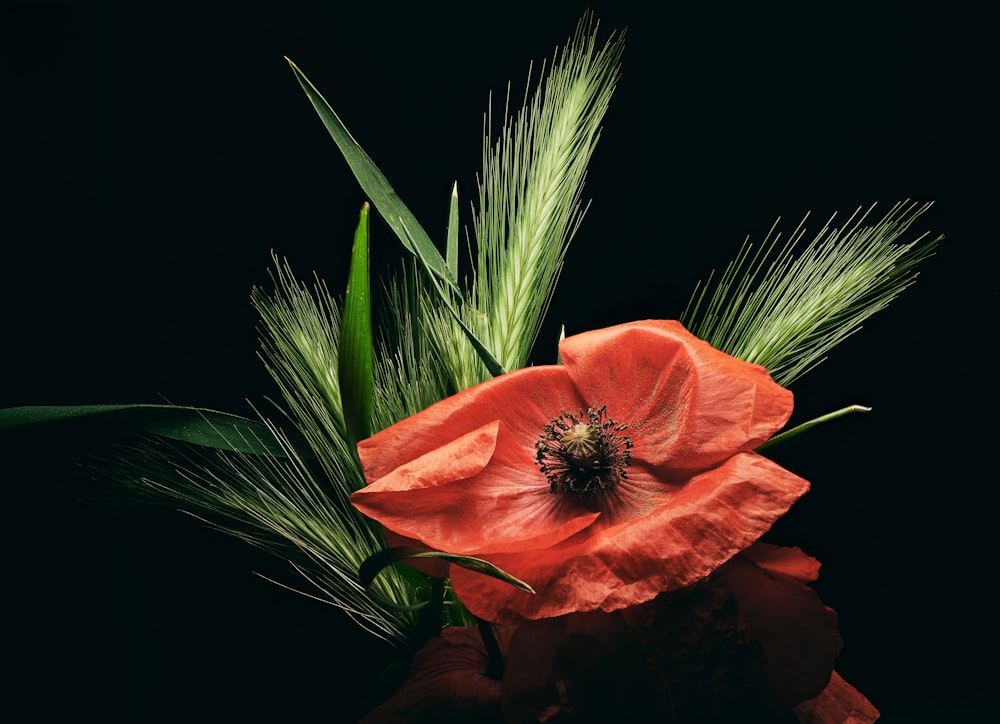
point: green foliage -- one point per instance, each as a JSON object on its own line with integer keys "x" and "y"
{"x": 530, "y": 203}
{"x": 375, "y": 184}
{"x": 281, "y": 505}
{"x": 188, "y": 424}
{"x": 341, "y": 377}
{"x": 785, "y": 312}
{"x": 529, "y": 210}
{"x": 378, "y": 562}
{"x": 300, "y": 347}
{"x": 409, "y": 374}
{"x": 356, "y": 349}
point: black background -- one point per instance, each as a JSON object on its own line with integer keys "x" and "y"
{"x": 155, "y": 154}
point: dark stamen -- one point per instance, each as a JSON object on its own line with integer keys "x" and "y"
{"x": 583, "y": 453}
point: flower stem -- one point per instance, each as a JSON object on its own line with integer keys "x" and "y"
{"x": 812, "y": 423}
{"x": 432, "y": 616}
{"x": 495, "y": 665}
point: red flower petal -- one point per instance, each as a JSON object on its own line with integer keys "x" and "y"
{"x": 671, "y": 540}
{"x": 449, "y": 498}
{"x": 839, "y": 703}
{"x": 683, "y": 657}
{"x": 789, "y": 561}
{"x": 524, "y": 399}
{"x": 745, "y": 644}
{"x": 687, "y": 404}
{"x": 796, "y": 630}
{"x": 453, "y": 478}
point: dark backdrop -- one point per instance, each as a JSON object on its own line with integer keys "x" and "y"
{"x": 155, "y": 154}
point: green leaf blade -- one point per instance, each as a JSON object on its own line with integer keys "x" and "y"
{"x": 199, "y": 426}
{"x": 451, "y": 247}
{"x": 374, "y": 183}
{"x": 371, "y": 567}
{"x": 356, "y": 350}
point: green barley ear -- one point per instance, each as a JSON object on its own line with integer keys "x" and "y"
{"x": 786, "y": 312}
{"x": 529, "y": 203}
{"x": 530, "y": 193}
{"x": 283, "y": 506}
{"x": 409, "y": 375}
{"x": 300, "y": 348}
{"x": 296, "y": 503}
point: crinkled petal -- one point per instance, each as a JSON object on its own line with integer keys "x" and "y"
{"x": 796, "y": 630}
{"x": 671, "y": 540}
{"x": 461, "y": 476}
{"x": 478, "y": 494}
{"x": 524, "y": 399}
{"x": 791, "y": 561}
{"x": 839, "y": 703}
{"x": 687, "y": 405}
{"x": 447, "y": 684}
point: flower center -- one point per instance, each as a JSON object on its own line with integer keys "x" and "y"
{"x": 583, "y": 453}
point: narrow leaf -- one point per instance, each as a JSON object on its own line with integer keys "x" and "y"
{"x": 809, "y": 424}
{"x": 451, "y": 251}
{"x": 374, "y": 183}
{"x": 195, "y": 425}
{"x": 355, "y": 362}
{"x": 372, "y": 565}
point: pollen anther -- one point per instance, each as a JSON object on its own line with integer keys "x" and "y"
{"x": 583, "y": 453}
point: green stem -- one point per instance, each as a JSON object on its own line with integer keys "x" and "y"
{"x": 813, "y": 423}
{"x": 495, "y": 667}
{"x": 432, "y": 616}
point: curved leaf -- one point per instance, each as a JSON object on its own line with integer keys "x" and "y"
{"x": 373, "y": 564}
{"x": 798, "y": 429}
{"x": 195, "y": 425}
{"x": 375, "y": 184}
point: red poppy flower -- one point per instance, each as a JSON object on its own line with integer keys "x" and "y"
{"x": 797, "y": 632}
{"x": 624, "y": 472}
{"x": 751, "y": 643}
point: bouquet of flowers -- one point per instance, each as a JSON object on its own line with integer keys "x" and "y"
{"x": 577, "y": 538}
